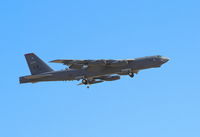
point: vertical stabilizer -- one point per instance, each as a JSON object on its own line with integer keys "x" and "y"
{"x": 36, "y": 65}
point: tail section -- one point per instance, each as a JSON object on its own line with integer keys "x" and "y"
{"x": 36, "y": 65}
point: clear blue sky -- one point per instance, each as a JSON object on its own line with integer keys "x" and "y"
{"x": 163, "y": 102}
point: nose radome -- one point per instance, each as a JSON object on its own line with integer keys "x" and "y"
{"x": 165, "y": 59}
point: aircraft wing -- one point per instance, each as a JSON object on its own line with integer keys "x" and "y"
{"x": 101, "y": 62}
{"x": 69, "y": 61}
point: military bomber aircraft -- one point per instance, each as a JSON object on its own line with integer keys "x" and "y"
{"x": 89, "y": 71}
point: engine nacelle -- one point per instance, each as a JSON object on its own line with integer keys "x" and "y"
{"x": 110, "y": 78}
{"x": 76, "y": 66}
{"x": 95, "y": 81}
{"x": 97, "y": 62}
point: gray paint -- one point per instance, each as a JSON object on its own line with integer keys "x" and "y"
{"x": 90, "y": 70}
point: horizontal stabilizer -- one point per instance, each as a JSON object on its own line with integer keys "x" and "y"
{"x": 37, "y": 76}
{"x": 32, "y": 78}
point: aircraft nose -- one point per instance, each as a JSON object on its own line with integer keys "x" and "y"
{"x": 164, "y": 59}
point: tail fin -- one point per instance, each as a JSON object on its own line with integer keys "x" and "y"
{"x": 36, "y": 65}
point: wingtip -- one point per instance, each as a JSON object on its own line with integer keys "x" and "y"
{"x": 56, "y": 61}
{"x": 53, "y": 61}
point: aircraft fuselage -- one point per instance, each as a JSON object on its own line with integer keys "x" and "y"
{"x": 134, "y": 65}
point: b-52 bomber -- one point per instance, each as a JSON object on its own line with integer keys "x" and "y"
{"x": 89, "y": 71}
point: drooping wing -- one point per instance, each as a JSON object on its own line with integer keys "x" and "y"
{"x": 69, "y": 61}
{"x": 78, "y": 64}
{"x": 101, "y": 62}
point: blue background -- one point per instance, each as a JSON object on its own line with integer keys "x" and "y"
{"x": 163, "y": 102}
